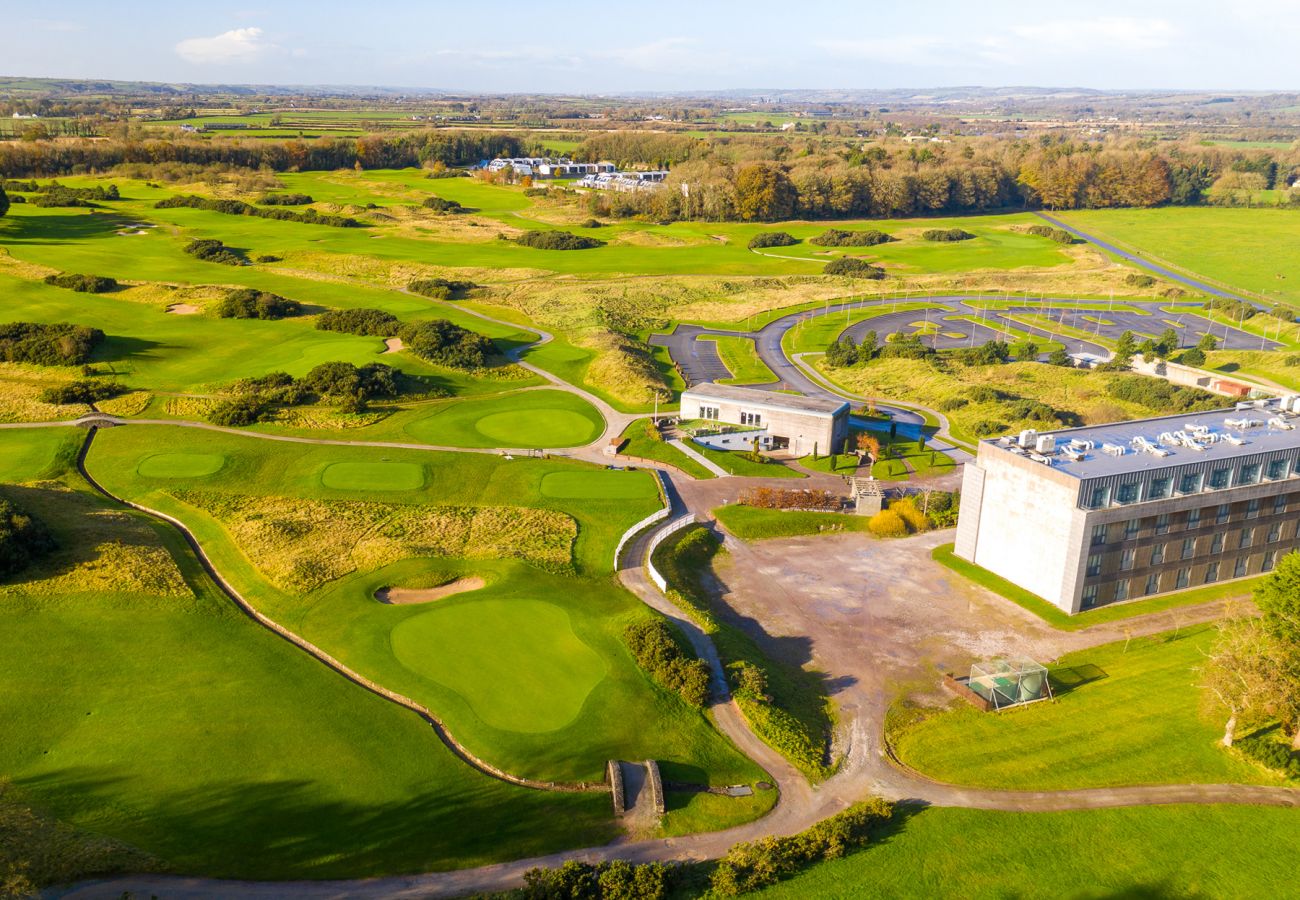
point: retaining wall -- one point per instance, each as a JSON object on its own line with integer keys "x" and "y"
{"x": 616, "y": 787}
{"x": 657, "y": 516}
{"x": 664, "y": 533}
{"x": 656, "y": 786}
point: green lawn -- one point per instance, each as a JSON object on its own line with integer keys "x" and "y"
{"x": 733, "y": 462}
{"x": 1141, "y": 852}
{"x": 741, "y": 359}
{"x": 1054, "y": 616}
{"x": 143, "y": 706}
{"x": 1125, "y": 713}
{"x": 541, "y": 708}
{"x": 750, "y": 523}
{"x": 815, "y": 333}
{"x": 639, "y": 444}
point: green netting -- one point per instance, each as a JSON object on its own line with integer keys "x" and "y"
{"x": 1004, "y": 682}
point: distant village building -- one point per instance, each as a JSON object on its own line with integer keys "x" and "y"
{"x": 546, "y": 167}
{"x": 623, "y": 181}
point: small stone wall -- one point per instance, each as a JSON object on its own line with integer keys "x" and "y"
{"x": 616, "y": 787}
{"x": 656, "y": 786}
{"x": 961, "y": 689}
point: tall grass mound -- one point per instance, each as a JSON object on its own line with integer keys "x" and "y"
{"x": 557, "y": 240}
{"x": 854, "y": 268}
{"x": 1137, "y": 279}
{"x": 441, "y": 342}
{"x": 299, "y": 545}
{"x": 363, "y": 321}
{"x": 23, "y": 539}
{"x": 772, "y": 239}
{"x": 85, "y": 284}
{"x": 441, "y": 205}
{"x": 212, "y": 250}
{"x": 441, "y": 288}
{"x": 946, "y": 235}
{"x": 249, "y": 303}
{"x": 838, "y": 237}
{"x": 624, "y": 368}
{"x": 1060, "y": 235}
{"x": 285, "y": 199}
{"x": 58, "y": 344}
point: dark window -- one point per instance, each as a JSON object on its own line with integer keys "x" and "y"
{"x": 1160, "y": 487}
{"x": 1240, "y": 568}
{"x": 1247, "y": 535}
{"x": 1193, "y": 519}
{"x": 1249, "y": 474}
{"x": 1126, "y": 559}
{"x": 1190, "y": 483}
{"x": 1277, "y": 469}
{"x": 1212, "y": 572}
{"x": 1275, "y": 532}
{"x": 1094, "y": 564}
{"x": 1162, "y": 523}
{"x": 1130, "y": 529}
{"x": 1219, "y": 479}
{"x": 1100, "y": 497}
{"x": 1121, "y": 589}
{"x": 1279, "y": 504}
{"x": 1216, "y": 543}
{"x": 1090, "y": 596}
{"x": 1153, "y": 583}
{"x": 1184, "y": 578}
{"x": 1270, "y": 558}
{"x": 1157, "y": 554}
{"x": 1221, "y": 514}
{"x": 1127, "y": 493}
{"x": 1098, "y": 535}
{"x": 1252, "y": 509}
{"x": 1189, "y": 547}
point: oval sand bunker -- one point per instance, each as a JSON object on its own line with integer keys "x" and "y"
{"x": 402, "y": 596}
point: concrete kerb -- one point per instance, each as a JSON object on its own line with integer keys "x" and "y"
{"x": 440, "y": 729}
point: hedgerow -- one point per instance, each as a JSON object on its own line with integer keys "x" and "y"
{"x": 661, "y": 655}
{"x": 58, "y": 344}
{"x": 240, "y": 208}
{"x": 285, "y": 199}
{"x": 557, "y": 240}
{"x": 836, "y": 237}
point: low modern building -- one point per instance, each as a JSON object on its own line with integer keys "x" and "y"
{"x": 787, "y": 421}
{"x": 1088, "y": 516}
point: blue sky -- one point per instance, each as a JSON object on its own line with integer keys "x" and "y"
{"x": 663, "y": 44}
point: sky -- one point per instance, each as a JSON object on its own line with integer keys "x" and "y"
{"x": 662, "y": 45}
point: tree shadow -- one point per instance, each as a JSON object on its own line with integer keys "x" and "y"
{"x": 121, "y": 348}
{"x": 1069, "y": 678}
{"x": 60, "y": 228}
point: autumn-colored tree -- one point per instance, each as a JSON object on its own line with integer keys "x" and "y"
{"x": 764, "y": 193}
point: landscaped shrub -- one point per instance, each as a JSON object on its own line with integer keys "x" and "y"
{"x": 249, "y": 303}
{"x": 440, "y": 288}
{"x": 1060, "y": 235}
{"x": 781, "y": 498}
{"x": 772, "y": 239}
{"x": 751, "y": 866}
{"x": 210, "y": 250}
{"x": 363, "y": 321}
{"x": 835, "y": 237}
{"x": 240, "y": 411}
{"x": 1192, "y": 357}
{"x": 344, "y": 380}
{"x": 946, "y": 234}
{"x": 1137, "y": 280}
{"x": 1271, "y": 754}
{"x": 853, "y": 268}
{"x": 24, "y": 539}
{"x": 614, "y": 880}
{"x": 86, "y": 284}
{"x": 887, "y": 524}
{"x": 661, "y": 655}
{"x": 58, "y": 344}
{"x": 912, "y": 517}
{"x": 440, "y": 205}
{"x": 557, "y": 240}
{"x": 84, "y": 391}
{"x": 441, "y": 342}
{"x": 285, "y": 199}
{"x": 942, "y": 507}
{"x": 240, "y": 208}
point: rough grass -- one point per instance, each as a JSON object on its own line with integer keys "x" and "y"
{"x": 1125, "y": 713}
{"x": 742, "y": 361}
{"x": 750, "y": 523}
{"x": 299, "y": 544}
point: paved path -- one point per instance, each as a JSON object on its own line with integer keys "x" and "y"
{"x": 700, "y": 458}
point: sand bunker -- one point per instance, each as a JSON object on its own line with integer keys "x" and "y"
{"x": 183, "y": 309}
{"x": 392, "y": 345}
{"x": 403, "y": 596}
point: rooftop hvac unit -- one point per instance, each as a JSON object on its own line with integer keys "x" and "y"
{"x": 1280, "y": 423}
{"x": 1167, "y": 438}
{"x": 1237, "y": 423}
{"x": 1234, "y": 439}
{"x": 1027, "y": 437}
{"x": 1114, "y": 449}
{"x": 1040, "y": 458}
{"x": 1196, "y": 428}
{"x": 1244, "y": 404}
{"x": 1073, "y": 455}
{"x": 1046, "y": 443}
{"x": 1295, "y": 405}
{"x": 1081, "y": 444}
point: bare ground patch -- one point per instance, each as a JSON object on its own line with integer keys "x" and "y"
{"x": 183, "y": 309}
{"x": 393, "y": 345}
{"x": 403, "y": 596}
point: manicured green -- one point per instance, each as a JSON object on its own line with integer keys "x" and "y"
{"x": 750, "y": 523}
{"x": 598, "y": 485}
{"x": 180, "y": 465}
{"x": 530, "y": 419}
{"x": 1154, "y": 851}
{"x": 375, "y": 476}
{"x": 1114, "y": 612}
{"x": 741, "y": 359}
{"x": 1124, "y": 713}
{"x": 517, "y": 663}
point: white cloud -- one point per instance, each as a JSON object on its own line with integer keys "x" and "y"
{"x": 240, "y": 45}
{"x": 1118, "y": 32}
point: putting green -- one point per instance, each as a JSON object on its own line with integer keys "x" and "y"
{"x": 517, "y": 663}
{"x": 180, "y": 465}
{"x": 517, "y": 427}
{"x": 598, "y": 485}
{"x": 376, "y": 476}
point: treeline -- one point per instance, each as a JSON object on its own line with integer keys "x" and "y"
{"x": 240, "y": 208}
{"x": 418, "y": 148}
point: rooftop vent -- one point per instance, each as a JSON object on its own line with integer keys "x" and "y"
{"x": 1114, "y": 449}
{"x": 1280, "y": 423}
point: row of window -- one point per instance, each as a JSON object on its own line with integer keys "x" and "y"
{"x": 1176, "y": 580}
{"x": 1189, "y": 521}
{"x": 709, "y": 412}
{"x": 1214, "y": 544}
{"x": 749, "y": 418}
{"x": 1162, "y": 487}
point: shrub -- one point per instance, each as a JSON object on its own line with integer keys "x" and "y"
{"x": 210, "y": 250}
{"x": 1283, "y": 312}
{"x": 853, "y": 268}
{"x": 439, "y": 205}
{"x": 249, "y": 303}
{"x": 1237, "y": 310}
{"x": 887, "y": 524}
{"x": 1159, "y": 395}
{"x": 55, "y": 195}
{"x": 982, "y": 393}
{"x": 912, "y": 517}
{"x": 1192, "y": 357}
{"x": 240, "y": 411}
{"x": 557, "y": 240}
{"x": 363, "y": 321}
{"x": 343, "y": 380}
{"x": 85, "y": 391}
{"x": 781, "y": 498}
{"x": 906, "y": 346}
{"x": 1060, "y": 235}
{"x": 772, "y": 239}
{"x": 949, "y": 404}
{"x": 240, "y": 208}
{"x": 987, "y": 354}
{"x": 988, "y": 428}
{"x": 24, "y": 539}
{"x": 59, "y": 344}
{"x": 440, "y": 288}
{"x": 1271, "y": 754}
{"x": 1059, "y": 357}
{"x": 1036, "y": 410}
{"x": 835, "y": 237}
{"x": 942, "y": 507}
{"x": 946, "y": 235}
{"x": 1137, "y": 280}
{"x": 614, "y": 880}
{"x": 661, "y": 655}
{"x": 269, "y": 258}
{"x": 86, "y": 284}
{"x": 285, "y": 199}
{"x": 593, "y": 223}
{"x": 441, "y": 342}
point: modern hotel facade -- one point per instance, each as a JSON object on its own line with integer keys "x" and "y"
{"x": 1089, "y": 516}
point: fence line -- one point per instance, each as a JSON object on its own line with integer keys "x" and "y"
{"x": 663, "y": 534}
{"x": 657, "y": 516}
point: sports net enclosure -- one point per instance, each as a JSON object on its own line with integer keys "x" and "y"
{"x": 1010, "y": 682}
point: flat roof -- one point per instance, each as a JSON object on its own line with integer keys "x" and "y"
{"x": 769, "y": 399}
{"x": 1224, "y": 435}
